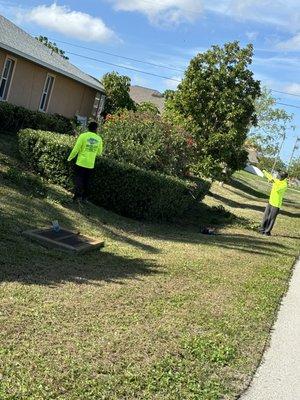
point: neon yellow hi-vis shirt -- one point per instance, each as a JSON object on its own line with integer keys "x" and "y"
{"x": 88, "y": 146}
{"x": 278, "y": 190}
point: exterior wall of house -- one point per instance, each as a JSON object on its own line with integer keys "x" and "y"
{"x": 68, "y": 96}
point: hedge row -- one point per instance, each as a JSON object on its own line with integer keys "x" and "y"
{"x": 148, "y": 142}
{"x": 124, "y": 189}
{"x": 13, "y": 118}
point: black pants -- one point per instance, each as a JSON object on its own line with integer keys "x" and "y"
{"x": 82, "y": 178}
{"x": 269, "y": 219}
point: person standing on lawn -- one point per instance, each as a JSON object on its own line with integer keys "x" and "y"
{"x": 88, "y": 146}
{"x": 279, "y": 188}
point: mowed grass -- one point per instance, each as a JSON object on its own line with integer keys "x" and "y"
{"x": 162, "y": 312}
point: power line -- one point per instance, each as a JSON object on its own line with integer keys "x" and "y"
{"x": 290, "y": 94}
{"x": 149, "y": 73}
{"x": 147, "y": 62}
{"x": 122, "y": 66}
{"x": 288, "y": 105}
{"x": 119, "y": 56}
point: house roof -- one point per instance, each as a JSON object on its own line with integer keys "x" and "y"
{"x": 17, "y": 41}
{"x": 140, "y": 94}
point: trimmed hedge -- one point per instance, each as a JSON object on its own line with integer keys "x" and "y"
{"x": 13, "y": 118}
{"x": 122, "y": 188}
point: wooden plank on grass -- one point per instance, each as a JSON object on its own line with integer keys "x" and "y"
{"x": 65, "y": 240}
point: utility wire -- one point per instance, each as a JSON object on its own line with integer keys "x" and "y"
{"x": 117, "y": 55}
{"x": 150, "y": 73}
{"x": 290, "y": 94}
{"x": 146, "y": 62}
{"x": 288, "y": 105}
{"x": 122, "y": 66}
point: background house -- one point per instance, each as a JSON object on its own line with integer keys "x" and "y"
{"x": 253, "y": 161}
{"x": 35, "y": 77}
{"x": 140, "y": 94}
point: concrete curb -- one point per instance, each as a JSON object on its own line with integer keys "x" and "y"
{"x": 278, "y": 377}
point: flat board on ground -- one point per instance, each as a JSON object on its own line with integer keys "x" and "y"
{"x": 65, "y": 239}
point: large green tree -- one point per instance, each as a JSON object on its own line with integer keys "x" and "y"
{"x": 52, "y": 46}
{"x": 117, "y": 89}
{"x": 272, "y": 126}
{"x": 215, "y": 101}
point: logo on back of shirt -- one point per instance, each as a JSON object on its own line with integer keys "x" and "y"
{"x": 92, "y": 145}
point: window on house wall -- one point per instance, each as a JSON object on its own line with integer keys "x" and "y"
{"x": 45, "y": 99}
{"x": 98, "y": 105}
{"x": 6, "y": 77}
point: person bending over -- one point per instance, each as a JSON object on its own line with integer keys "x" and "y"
{"x": 88, "y": 146}
{"x": 279, "y": 188}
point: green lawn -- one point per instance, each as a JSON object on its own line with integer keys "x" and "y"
{"x": 162, "y": 312}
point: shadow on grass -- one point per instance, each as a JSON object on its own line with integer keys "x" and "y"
{"x": 191, "y": 235}
{"x": 243, "y": 243}
{"x": 288, "y": 237}
{"x": 235, "y": 204}
{"x": 240, "y": 185}
{"x": 123, "y": 238}
{"x": 248, "y": 192}
{"x": 22, "y": 260}
{"x": 244, "y": 189}
{"x": 33, "y": 264}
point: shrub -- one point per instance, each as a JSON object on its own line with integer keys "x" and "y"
{"x": 145, "y": 140}
{"x": 125, "y": 189}
{"x": 13, "y": 118}
{"x": 148, "y": 107}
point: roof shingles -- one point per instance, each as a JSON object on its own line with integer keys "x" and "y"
{"x": 140, "y": 94}
{"x": 14, "y": 39}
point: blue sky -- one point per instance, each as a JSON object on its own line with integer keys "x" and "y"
{"x": 171, "y": 32}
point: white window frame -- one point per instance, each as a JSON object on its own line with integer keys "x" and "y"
{"x": 48, "y": 94}
{"x": 8, "y": 82}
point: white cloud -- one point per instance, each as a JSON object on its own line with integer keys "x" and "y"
{"x": 284, "y": 15}
{"x": 71, "y": 23}
{"x": 293, "y": 88}
{"x": 277, "y": 62}
{"x": 281, "y": 15}
{"x": 292, "y": 44}
{"x": 166, "y": 12}
{"x": 252, "y": 35}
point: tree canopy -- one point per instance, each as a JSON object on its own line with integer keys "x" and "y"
{"x": 216, "y": 103}
{"x": 272, "y": 124}
{"x": 117, "y": 89}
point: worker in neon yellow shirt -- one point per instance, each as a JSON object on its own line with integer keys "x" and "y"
{"x": 88, "y": 146}
{"x": 279, "y": 188}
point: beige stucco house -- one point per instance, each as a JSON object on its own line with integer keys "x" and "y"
{"x": 34, "y": 77}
